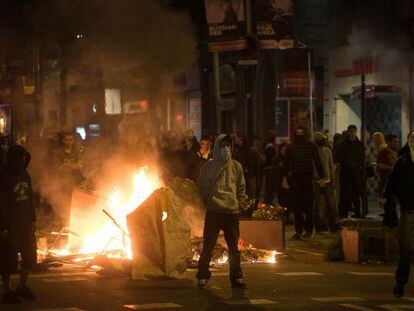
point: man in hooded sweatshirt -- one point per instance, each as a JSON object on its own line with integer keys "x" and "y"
{"x": 400, "y": 186}
{"x": 221, "y": 185}
{"x": 17, "y": 224}
{"x": 302, "y": 157}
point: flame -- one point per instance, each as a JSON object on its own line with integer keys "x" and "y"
{"x": 97, "y": 233}
{"x": 272, "y": 258}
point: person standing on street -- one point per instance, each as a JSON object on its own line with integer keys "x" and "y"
{"x": 400, "y": 186}
{"x": 351, "y": 156}
{"x": 385, "y": 159}
{"x": 302, "y": 157}
{"x": 323, "y": 187}
{"x": 17, "y": 225}
{"x": 221, "y": 185}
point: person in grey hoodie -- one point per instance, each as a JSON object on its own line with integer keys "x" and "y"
{"x": 221, "y": 186}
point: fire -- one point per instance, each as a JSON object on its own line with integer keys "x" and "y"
{"x": 102, "y": 227}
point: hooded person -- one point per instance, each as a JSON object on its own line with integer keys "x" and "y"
{"x": 385, "y": 159}
{"x": 17, "y": 219}
{"x": 302, "y": 158}
{"x": 400, "y": 186}
{"x": 350, "y": 156}
{"x": 221, "y": 186}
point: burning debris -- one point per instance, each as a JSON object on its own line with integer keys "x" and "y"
{"x": 149, "y": 232}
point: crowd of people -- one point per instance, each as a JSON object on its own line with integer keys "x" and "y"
{"x": 317, "y": 181}
{"x": 314, "y": 179}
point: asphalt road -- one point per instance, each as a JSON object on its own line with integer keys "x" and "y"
{"x": 298, "y": 281}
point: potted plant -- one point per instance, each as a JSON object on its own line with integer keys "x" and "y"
{"x": 266, "y": 228}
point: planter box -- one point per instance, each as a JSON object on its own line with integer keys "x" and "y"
{"x": 263, "y": 234}
{"x": 369, "y": 244}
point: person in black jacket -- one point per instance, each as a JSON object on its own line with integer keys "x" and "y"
{"x": 17, "y": 224}
{"x": 401, "y": 185}
{"x": 350, "y": 156}
{"x": 302, "y": 156}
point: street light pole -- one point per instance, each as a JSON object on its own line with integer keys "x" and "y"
{"x": 364, "y": 143}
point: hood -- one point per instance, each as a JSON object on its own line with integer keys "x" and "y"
{"x": 17, "y": 159}
{"x": 217, "y": 142}
{"x": 381, "y": 139}
{"x": 317, "y": 135}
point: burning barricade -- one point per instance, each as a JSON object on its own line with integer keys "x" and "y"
{"x": 146, "y": 232}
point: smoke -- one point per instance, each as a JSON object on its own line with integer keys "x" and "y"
{"x": 140, "y": 45}
{"x": 391, "y": 55}
{"x": 194, "y": 215}
{"x": 142, "y": 42}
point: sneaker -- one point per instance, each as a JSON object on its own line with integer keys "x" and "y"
{"x": 26, "y": 293}
{"x": 10, "y": 298}
{"x": 201, "y": 283}
{"x": 398, "y": 290}
{"x": 307, "y": 235}
{"x": 296, "y": 236}
{"x": 238, "y": 283}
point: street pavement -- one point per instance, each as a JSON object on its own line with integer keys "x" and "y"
{"x": 300, "y": 280}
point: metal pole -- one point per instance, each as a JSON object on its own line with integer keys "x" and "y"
{"x": 310, "y": 92}
{"x": 217, "y": 93}
{"x": 364, "y": 140}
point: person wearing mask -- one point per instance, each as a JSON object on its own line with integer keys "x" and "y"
{"x": 400, "y": 186}
{"x": 302, "y": 156}
{"x": 256, "y": 159}
{"x": 17, "y": 225}
{"x": 323, "y": 187}
{"x": 351, "y": 156}
{"x": 221, "y": 186}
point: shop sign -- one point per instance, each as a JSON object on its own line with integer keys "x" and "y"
{"x": 294, "y": 83}
{"x": 360, "y": 66}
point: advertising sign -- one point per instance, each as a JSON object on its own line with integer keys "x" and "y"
{"x": 274, "y": 24}
{"x": 226, "y": 24}
{"x": 294, "y": 83}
